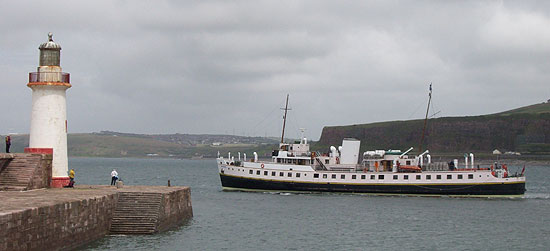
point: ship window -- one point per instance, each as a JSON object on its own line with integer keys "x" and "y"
{"x": 325, "y": 175}
{"x": 334, "y": 176}
{"x": 316, "y": 175}
{"x": 372, "y": 176}
{"x": 353, "y": 177}
{"x": 258, "y": 172}
{"x": 281, "y": 174}
{"x": 428, "y": 177}
{"x": 272, "y": 173}
{"x": 278, "y": 160}
{"x": 326, "y": 161}
{"x": 470, "y": 176}
{"x": 381, "y": 177}
{"x": 459, "y": 176}
{"x": 343, "y": 176}
{"x": 265, "y": 173}
{"x": 406, "y": 177}
{"x": 418, "y": 177}
{"x": 250, "y": 172}
{"x": 395, "y": 177}
{"x": 289, "y": 175}
{"x": 449, "y": 176}
{"x": 363, "y": 176}
{"x": 297, "y": 175}
{"x": 408, "y": 162}
{"x": 438, "y": 177}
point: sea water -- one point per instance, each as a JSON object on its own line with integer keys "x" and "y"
{"x": 288, "y": 221}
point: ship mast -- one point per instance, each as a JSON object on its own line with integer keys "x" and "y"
{"x": 426, "y": 119}
{"x": 284, "y": 120}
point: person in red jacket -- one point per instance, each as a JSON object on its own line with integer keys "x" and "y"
{"x": 8, "y": 143}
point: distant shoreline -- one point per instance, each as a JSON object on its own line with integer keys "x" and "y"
{"x": 484, "y": 161}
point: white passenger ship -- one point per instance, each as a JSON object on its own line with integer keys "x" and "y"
{"x": 293, "y": 167}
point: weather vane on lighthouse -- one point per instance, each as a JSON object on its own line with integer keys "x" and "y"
{"x": 48, "y": 133}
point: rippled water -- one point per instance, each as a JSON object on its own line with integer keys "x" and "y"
{"x": 271, "y": 221}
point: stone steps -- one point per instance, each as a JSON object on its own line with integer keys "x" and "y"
{"x": 136, "y": 213}
{"x": 18, "y": 173}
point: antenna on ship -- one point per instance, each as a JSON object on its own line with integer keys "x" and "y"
{"x": 284, "y": 120}
{"x": 426, "y": 119}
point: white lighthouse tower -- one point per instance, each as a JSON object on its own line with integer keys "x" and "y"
{"x": 48, "y": 132}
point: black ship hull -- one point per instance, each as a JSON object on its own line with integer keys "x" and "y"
{"x": 470, "y": 189}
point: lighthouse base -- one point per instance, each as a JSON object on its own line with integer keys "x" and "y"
{"x": 38, "y": 150}
{"x": 59, "y": 182}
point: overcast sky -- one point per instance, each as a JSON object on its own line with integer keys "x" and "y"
{"x": 226, "y": 66}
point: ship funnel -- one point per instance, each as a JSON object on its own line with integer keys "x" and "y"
{"x": 472, "y": 159}
{"x": 349, "y": 151}
{"x": 255, "y": 157}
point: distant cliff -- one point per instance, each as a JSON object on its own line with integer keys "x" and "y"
{"x": 525, "y": 130}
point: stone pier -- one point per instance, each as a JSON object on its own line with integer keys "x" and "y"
{"x": 53, "y": 219}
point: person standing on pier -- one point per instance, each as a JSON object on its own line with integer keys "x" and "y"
{"x": 8, "y": 143}
{"x": 71, "y": 175}
{"x": 114, "y": 177}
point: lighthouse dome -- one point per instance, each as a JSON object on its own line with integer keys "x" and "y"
{"x": 50, "y": 45}
{"x": 50, "y": 52}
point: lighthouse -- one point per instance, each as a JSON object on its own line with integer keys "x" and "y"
{"x": 48, "y": 133}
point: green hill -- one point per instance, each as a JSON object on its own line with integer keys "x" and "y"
{"x": 526, "y": 130}
{"x": 111, "y": 144}
{"x": 531, "y": 109}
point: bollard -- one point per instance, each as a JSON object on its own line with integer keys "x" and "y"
{"x": 168, "y": 182}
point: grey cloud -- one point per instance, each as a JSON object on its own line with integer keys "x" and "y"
{"x": 224, "y": 66}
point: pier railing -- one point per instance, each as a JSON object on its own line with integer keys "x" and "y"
{"x": 58, "y": 77}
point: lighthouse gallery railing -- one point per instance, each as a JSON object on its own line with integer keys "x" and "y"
{"x": 58, "y": 77}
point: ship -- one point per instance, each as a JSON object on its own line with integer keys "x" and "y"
{"x": 293, "y": 167}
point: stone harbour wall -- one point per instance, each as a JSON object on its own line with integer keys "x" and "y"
{"x": 63, "y": 226}
{"x": 42, "y": 176}
{"x": 175, "y": 209}
{"x": 67, "y": 218}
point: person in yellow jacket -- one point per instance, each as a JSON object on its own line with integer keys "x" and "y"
{"x": 71, "y": 175}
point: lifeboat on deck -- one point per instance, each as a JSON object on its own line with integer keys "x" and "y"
{"x": 414, "y": 169}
